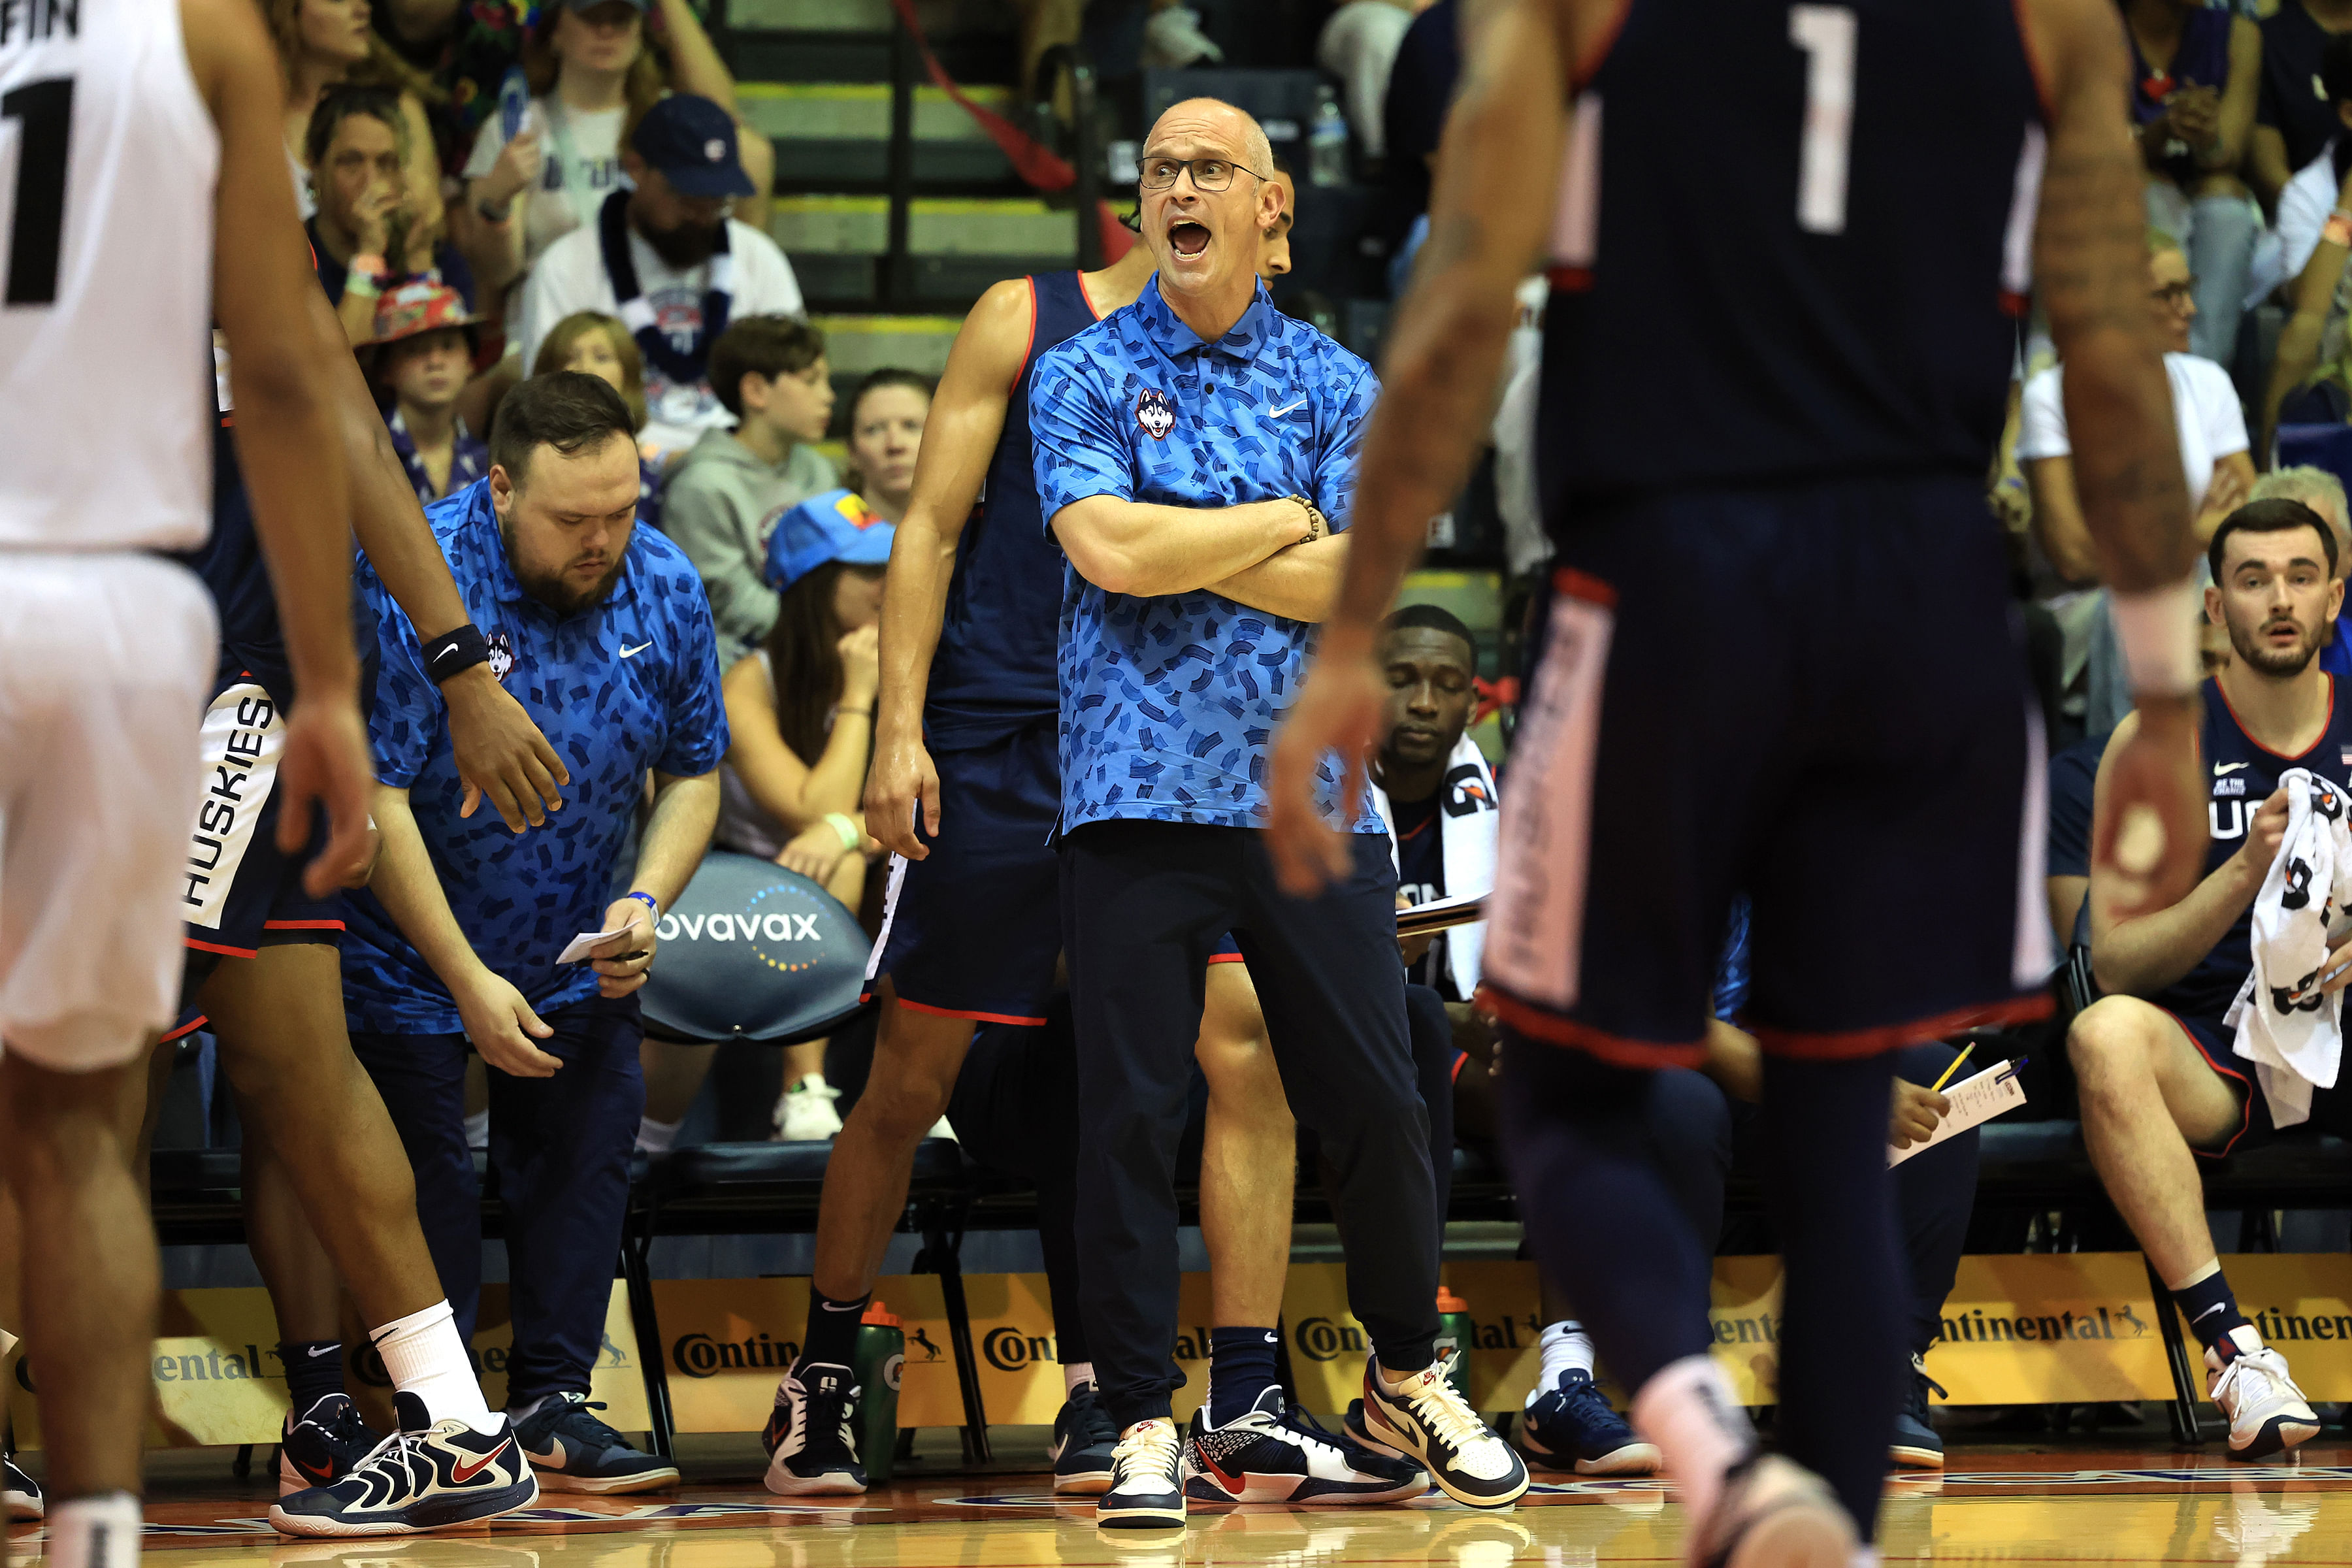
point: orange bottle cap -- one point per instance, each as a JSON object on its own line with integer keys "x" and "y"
{"x": 879, "y": 1314}
{"x": 1447, "y": 1302}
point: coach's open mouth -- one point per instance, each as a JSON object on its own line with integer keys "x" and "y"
{"x": 1187, "y": 238}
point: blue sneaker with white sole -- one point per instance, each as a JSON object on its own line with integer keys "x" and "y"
{"x": 1572, "y": 1427}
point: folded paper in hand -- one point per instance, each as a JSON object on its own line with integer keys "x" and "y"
{"x": 577, "y": 951}
{"x": 1440, "y": 914}
{"x": 1974, "y": 1101}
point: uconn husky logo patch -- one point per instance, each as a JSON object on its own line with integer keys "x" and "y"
{"x": 1154, "y": 413}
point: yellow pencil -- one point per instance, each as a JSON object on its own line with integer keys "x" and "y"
{"x": 1938, "y": 1087}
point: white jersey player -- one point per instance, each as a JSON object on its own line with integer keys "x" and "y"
{"x": 143, "y": 196}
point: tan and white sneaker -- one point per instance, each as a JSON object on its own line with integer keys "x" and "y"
{"x": 1426, "y": 1420}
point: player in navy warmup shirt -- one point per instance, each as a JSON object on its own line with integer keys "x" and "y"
{"x": 1776, "y": 654}
{"x": 2152, "y": 1059}
{"x": 601, "y": 629}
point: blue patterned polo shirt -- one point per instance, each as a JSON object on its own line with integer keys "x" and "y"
{"x": 627, "y": 685}
{"x": 1168, "y": 702}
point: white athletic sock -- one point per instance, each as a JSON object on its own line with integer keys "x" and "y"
{"x": 1692, "y": 1413}
{"x": 424, "y": 1357}
{"x": 657, "y": 1137}
{"x": 1074, "y": 1375}
{"x": 93, "y": 1531}
{"x": 1566, "y": 1348}
{"x": 477, "y": 1130}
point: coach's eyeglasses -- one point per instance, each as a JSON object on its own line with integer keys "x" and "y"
{"x": 1210, "y": 176}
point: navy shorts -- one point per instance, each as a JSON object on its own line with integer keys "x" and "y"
{"x": 974, "y": 929}
{"x": 1816, "y": 695}
{"x": 2331, "y": 1109}
{"x": 241, "y": 893}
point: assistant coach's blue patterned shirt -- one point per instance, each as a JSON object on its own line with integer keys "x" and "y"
{"x": 1168, "y": 702}
{"x": 630, "y": 684}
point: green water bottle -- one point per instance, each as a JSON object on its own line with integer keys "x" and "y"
{"x": 881, "y": 1351}
{"x": 1458, "y": 1334}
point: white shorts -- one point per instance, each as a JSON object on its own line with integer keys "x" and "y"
{"x": 105, "y": 660}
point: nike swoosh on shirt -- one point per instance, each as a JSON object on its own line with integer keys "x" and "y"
{"x": 460, "y": 1474}
{"x": 1286, "y": 408}
{"x": 2221, "y": 768}
{"x": 629, "y": 652}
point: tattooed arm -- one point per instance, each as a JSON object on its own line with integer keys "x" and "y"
{"x": 2089, "y": 263}
{"x": 1490, "y": 210}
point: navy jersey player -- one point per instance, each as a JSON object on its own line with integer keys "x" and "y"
{"x": 1777, "y": 653}
{"x": 966, "y": 749}
{"x": 2159, "y": 1082}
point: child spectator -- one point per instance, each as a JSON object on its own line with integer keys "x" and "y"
{"x": 885, "y": 430}
{"x": 724, "y": 500}
{"x": 367, "y": 233}
{"x": 423, "y": 352}
{"x": 800, "y": 714}
{"x": 601, "y": 346}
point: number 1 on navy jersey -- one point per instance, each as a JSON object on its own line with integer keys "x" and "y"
{"x": 1826, "y": 34}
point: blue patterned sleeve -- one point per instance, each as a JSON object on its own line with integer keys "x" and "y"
{"x": 1080, "y": 450}
{"x": 1343, "y": 443}
{"x": 697, "y": 712}
{"x": 407, "y": 715}
{"x": 1731, "y": 970}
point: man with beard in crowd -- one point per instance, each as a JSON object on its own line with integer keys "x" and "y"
{"x": 664, "y": 257}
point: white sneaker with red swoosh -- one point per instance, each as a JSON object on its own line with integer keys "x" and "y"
{"x": 429, "y": 1474}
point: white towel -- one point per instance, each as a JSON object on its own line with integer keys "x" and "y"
{"x": 1468, "y": 821}
{"x": 2291, "y": 1032}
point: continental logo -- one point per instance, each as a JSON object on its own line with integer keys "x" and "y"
{"x": 1978, "y": 1327}
{"x": 1007, "y": 1348}
{"x": 699, "y": 1356}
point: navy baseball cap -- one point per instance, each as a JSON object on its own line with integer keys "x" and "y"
{"x": 692, "y": 141}
{"x": 833, "y": 525}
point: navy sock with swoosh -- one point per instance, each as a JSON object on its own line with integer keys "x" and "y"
{"x": 314, "y": 1369}
{"x": 2211, "y": 1309}
{"x": 1241, "y": 1368}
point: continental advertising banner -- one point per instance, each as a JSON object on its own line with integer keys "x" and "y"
{"x": 218, "y": 1380}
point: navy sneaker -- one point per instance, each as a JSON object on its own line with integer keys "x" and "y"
{"x": 1570, "y": 1426}
{"x": 1916, "y": 1444}
{"x": 812, "y": 1444}
{"x": 429, "y": 1474}
{"x": 1147, "y": 1486}
{"x": 328, "y": 1442}
{"x": 1426, "y": 1420}
{"x": 1273, "y": 1453}
{"x": 573, "y": 1452}
{"x": 1084, "y": 1442}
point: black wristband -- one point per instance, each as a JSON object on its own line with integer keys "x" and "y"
{"x": 454, "y": 653}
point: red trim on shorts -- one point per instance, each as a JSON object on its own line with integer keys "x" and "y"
{"x": 302, "y": 925}
{"x": 965, "y": 1013}
{"x": 1583, "y": 585}
{"x": 1843, "y": 1045}
{"x": 223, "y": 951}
{"x": 189, "y": 1028}
{"x": 1461, "y": 1058}
{"x": 1225, "y": 958}
{"x": 1617, "y": 1050}
{"x": 2245, "y": 1104}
